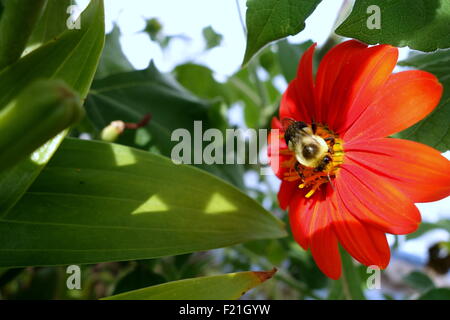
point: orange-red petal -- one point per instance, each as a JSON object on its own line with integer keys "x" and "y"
{"x": 365, "y": 243}
{"x": 286, "y": 193}
{"x": 419, "y": 171}
{"x": 344, "y": 91}
{"x": 298, "y": 101}
{"x": 329, "y": 70}
{"x": 374, "y": 200}
{"x": 405, "y": 99}
{"x": 311, "y": 227}
{"x": 324, "y": 248}
{"x": 299, "y": 216}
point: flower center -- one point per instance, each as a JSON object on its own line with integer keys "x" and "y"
{"x": 313, "y": 169}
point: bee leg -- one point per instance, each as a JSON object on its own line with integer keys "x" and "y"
{"x": 330, "y": 140}
{"x": 297, "y": 168}
{"x": 319, "y": 168}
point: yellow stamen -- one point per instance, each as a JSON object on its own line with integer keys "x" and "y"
{"x": 312, "y": 191}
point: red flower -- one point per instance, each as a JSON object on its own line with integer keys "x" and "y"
{"x": 343, "y": 180}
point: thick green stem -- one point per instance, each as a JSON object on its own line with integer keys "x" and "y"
{"x": 351, "y": 282}
{"x": 40, "y": 112}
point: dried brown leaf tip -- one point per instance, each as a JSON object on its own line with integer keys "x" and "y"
{"x": 265, "y": 275}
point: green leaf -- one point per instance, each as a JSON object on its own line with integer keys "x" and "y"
{"x": 212, "y": 38}
{"x": 270, "y": 20}
{"x": 16, "y": 26}
{"x": 113, "y": 59}
{"x": 304, "y": 269}
{"x": 52, "y": 23}
{"x": 154, "y": 29}
{"x": 129, "y": 96}
{"x": 244, "y": 88}
{"x": 43, "y": 285}
{"x": 436, "y": 294}
{"x": 15, "y": 181}
{"x": 200, "y": 81}
{"x": 289, "y": 56}
{"x": 268, "y": 59}
{"x": 272, "y": 250}
{"x": 419, "y": 280}
{"x": 348, "y": 287}
{"x": 141, "y": 276}
{"x": 99, "y": 202}
{"x": 8, "y": 275}
{"x": 428, "y": 226}
{"x": 420, "y": 24}
{"x": 73, "y": 57}
{"x": 434, "y": 130}
{"x": 223, "y": 287}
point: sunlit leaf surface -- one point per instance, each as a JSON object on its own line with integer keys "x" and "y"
{"x": 270, "y": 20}
{"x": 224, "y": 287}
{"x": 420, "y": 24}
{"x": 435, "y": 129}
{"x": 98, "y": 202}
{"x": 72, "y": 57}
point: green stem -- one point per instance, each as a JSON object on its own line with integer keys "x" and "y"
{"x": 260, "y": 88}
{"x": 333, "y": 38}
{"x": 345, "y": 287}
{"x": 241, "y": 18}
{"x": 350, "y": 280}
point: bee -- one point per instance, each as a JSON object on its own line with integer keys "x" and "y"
{"x": 310, "y": 149}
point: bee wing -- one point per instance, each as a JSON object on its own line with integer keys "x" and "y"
{"x": 291, "y": 123}
{"x": 287, "y": 122}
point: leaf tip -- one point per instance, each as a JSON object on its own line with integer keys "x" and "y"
{"x": 265, "y": 275}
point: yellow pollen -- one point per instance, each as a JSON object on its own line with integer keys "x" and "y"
{"x": 313, "y": 178}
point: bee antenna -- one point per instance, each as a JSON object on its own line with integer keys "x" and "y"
{"x": 313, "y": 125}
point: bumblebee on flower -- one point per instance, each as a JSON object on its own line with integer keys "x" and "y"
{"x": 343, "y": 180}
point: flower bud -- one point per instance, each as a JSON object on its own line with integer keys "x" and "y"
{"x": 113, "y": 131}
